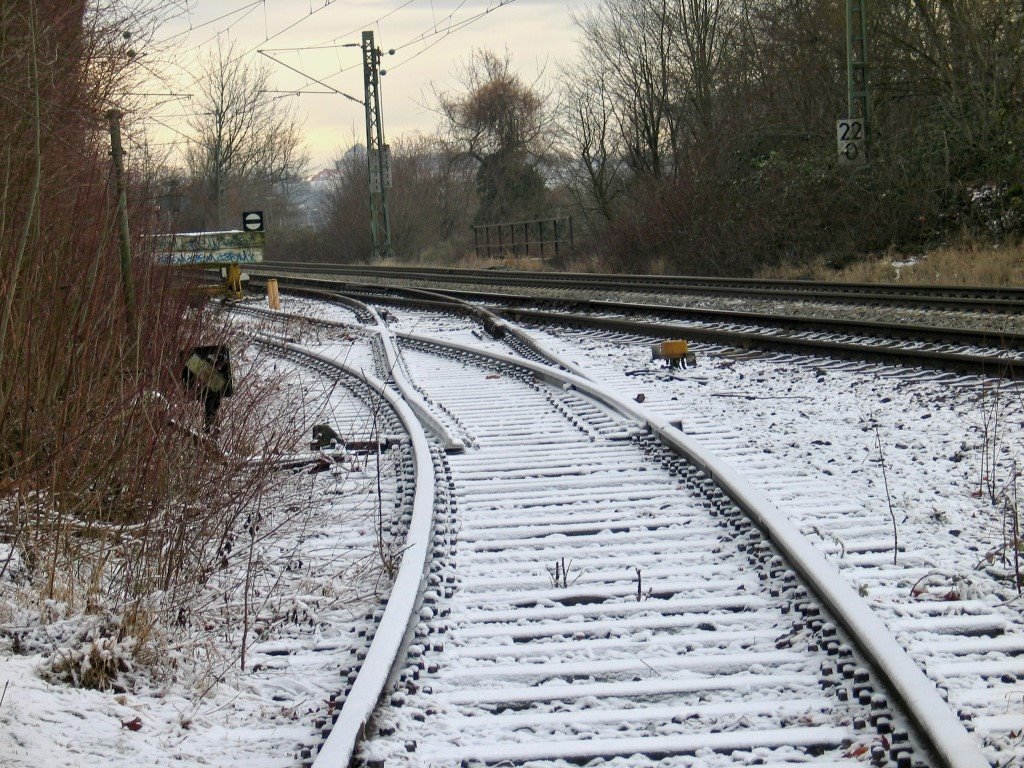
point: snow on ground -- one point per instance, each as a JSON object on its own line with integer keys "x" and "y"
{"x": 835, "y": 428}
{"x": 845, "y": 449}
{"x": 321, "y": 310}
{"x": 1005, "y": 322}
{"x": 408, "y": 319}
{"x": 814, "y": 436}
{"x": 315, "y": 575}
{"x": 819, "y": 432}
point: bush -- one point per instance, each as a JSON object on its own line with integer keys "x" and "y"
{"x": 735, "y": 217}
{"x": 110, "y": 493}
{"x": 99, "y": 657}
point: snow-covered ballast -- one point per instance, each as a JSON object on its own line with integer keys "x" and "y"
{"x": 401, "y": 613}
{"x": 939, "y": 726}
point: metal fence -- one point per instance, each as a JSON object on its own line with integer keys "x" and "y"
{"x": 537, "y": 238}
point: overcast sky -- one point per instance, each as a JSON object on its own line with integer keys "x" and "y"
{"x": 431, "y": 37}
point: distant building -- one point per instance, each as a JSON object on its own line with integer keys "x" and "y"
{"x": 309, "y": 195}
{"x": 325, "y": 178}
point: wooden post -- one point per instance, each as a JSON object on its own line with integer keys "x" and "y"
{"x": 273, "y": 296}
{"x": 234, "y": 281}
{"x": 124, "y": 240}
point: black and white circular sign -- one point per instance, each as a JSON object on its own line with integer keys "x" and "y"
{"x": 252, "y": 221}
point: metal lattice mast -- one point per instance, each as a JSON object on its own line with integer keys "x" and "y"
{"x": 377, "y": 160}
{"x": 857, "y": 62}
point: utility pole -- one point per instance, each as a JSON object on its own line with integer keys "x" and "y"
{"x": 852, "y": 133}
{"x": 218, "y": 176}
{"x": 378, "y": 155}
{"x": 117, "y": 152}
{"x": 857, "y": 60}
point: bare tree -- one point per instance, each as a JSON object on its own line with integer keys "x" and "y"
{"x": 633, "y": 43}
{"x": 345, "y": 228}
{"x": 432, "y": 197}
{"x": 954, "y": 69}
{"x": 432, "y": 201}
{"x": 704, "y": 39}
{"x": 590, "y": 142}
{"x": 243, "y": 136}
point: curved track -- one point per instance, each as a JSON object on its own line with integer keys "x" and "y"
{"x": 611, "y": 601}
{"x": 589, "y": 665}
{"x": 410, "y": 537}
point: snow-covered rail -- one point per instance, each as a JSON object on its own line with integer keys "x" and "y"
{"x": 498, "y": 679}
{"x": 955, "y": 747}
{"x": 988, "y": 354}
{"x": 400, "y": 614}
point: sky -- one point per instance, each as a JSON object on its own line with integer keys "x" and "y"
{"x": 431, "y": 37}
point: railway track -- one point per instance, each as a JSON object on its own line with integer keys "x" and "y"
{"x": 601, "y": 610}
{"x": 933, "y": 334}
{"x": 969, "y": 298}
{"x": 964, "y": 350}
{"x": 405, "y": 535}
{"x": 651, "y": 618}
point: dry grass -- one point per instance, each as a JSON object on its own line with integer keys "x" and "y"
{"x": 963, "y": 263}
{"x": 115, "y": 508}
{"x": 471, "y": 261}
{"x": 967, "y": 263}
{"x": 576, "y": 262}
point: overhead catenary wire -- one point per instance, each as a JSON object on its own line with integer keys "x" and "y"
{"x": 310, "y": 77}
{"x": 222, "y": 32}
{"x": 191, "y": 29}
{"x": 439, "y": 30}
{"x": 246, "y": 10}
{"x": 237, "y": 15}
{"x": 433, "y": 29}
{"x": 172, "y": 129}
{"x": 333, "y": 42}
{"x": 427, "y": 34}
{"x": 441, "y": 35}
{"x": 312, "y": 12}
{"x": 160, "y": 77}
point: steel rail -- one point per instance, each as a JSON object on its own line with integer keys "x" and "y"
{"x": 491, "y": 321}
{"x": 938, "y": 725}
{"x": 968, "y": 298}
{"x": 451, "y": 442}
{"x": 930, "y": 333}
{"x": 984, "y": 365}
{"x": 502, "y": 301}
{"x": 398, "y": 622}
{"x": 495, "y": 325}
{"x": 379, "y": 330}
{"x": 1007, "y": 367}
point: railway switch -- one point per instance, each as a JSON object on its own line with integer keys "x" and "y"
{"x": 676, "y": 352}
